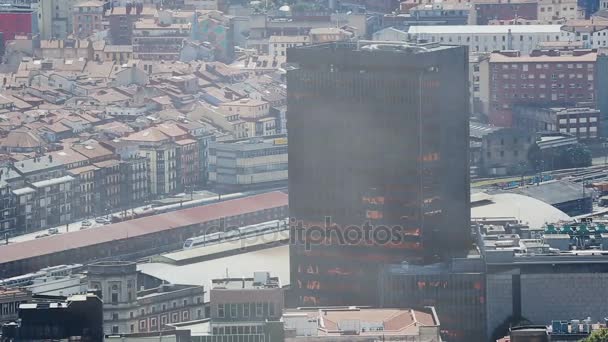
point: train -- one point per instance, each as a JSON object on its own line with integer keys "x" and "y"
{"x": 28, "y": 279}
{"x": 235, "y": 234}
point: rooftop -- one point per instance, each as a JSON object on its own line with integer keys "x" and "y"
{"x": 553, "y": 192}
{"x": 484, "y": 29}
{"x": 142, "y": 226}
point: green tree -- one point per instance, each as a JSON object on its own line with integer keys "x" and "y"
{"x": 597, "y": 336}
{"x": 577, "y": 155}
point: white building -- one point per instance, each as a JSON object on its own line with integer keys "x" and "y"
{"x": 551, "y": 10}
{"x": 593, "y": 33}
{"x": 488, "y": 38}
{"x": 278, "y": 45}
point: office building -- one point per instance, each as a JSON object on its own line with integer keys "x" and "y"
{"x": 358, "y": 156}
{"x": 248, "y": 163}
{"x": 535, "y": 277}
{"x": 455, "y": 288}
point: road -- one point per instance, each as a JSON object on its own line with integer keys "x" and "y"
{"x": 200, "y": 198}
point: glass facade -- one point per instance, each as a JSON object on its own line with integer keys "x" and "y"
{"x": 372, "y": 147}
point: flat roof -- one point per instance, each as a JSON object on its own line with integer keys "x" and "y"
{"x": 483, "y": 29}
{"x": 274, "y": 260}
{"x": 140, "y": 227}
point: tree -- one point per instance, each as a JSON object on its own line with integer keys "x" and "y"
{"x": 597, "y": 336}
{"x": 577, "y": 155}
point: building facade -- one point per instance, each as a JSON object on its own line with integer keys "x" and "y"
{"x": 488, "y": 38}
{"x": 248, "y": 163}
{"x": 545, "y": 78}
{"x": 87, "y": 18}
{"x": 582, "y": 122}
{"x": 353, "y": 137}
{"x": 456, "y": 289}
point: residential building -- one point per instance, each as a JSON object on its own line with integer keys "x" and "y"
{"x": 365, "y": 142}
{"x": 255, "y": 115}
{"x": 248, "y": 163}
{"x": 87, "y": 18}
{"x": 328, "y": 34}
{"x": 156, "y": 39}
{"x": 10, "y": 299}
{"x": 442, "y": 13}
{"x": 55, "y": 18}
{"x": 122, "y": 19}
{"x": 549, "y": 10}
{"x": 8, "y": 219}
{"x": 65, "y": 48}
{"x": 488, "y": 38}
{"x": 263, "y": 26}
{"x": 86, "y": 193}
{"x": 545, "y": 78}
{"x": 127, "y": 310}
{"x": 22, "y": 140}
{"x": 109, "y": 182}
{"x": 278, "y": 45}
{"x": 582, "y": 122}
{"x": 498, "y": 10}
{"x": 204, "y": 135}
{"x": 361, "y": 324}
{"x": 593, "y": 33}
{"x": 455, "y": 288}
{"x": 476, "y": 91}
{"x": 120, "y": 54}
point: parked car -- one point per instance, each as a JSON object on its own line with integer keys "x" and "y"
{"x": 86, "y": 223}
{"x": 53, "y": 231}
{"x": 41, "y": 236}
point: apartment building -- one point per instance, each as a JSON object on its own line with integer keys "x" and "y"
{"x": 545, "y": 77}
{"x": 87, "y": 18}
{"x": 278, "y": 45}
{"x": 55, "y": 18}
{"x": 159, "y": 39}
{"x": 254, "y": 113}
{"x": 550, "y": 10}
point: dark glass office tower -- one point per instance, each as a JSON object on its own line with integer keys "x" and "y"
{"x": 378, "y": 150}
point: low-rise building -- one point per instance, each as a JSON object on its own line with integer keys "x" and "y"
{"x": 10, "y": 299}
{"x": 159, "y": 40}
{"x": 488, "y": 38}
{"x": 87, "y": 18}
{"x": 361, "y": 324}
{"x": 278, "y": 45}
{"x": 127, "y": 310}
{"x": 248, "y": 163}
{"x": 582, "y": 122}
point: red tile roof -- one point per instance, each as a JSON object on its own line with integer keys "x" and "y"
{"x": 139, "y": 227}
